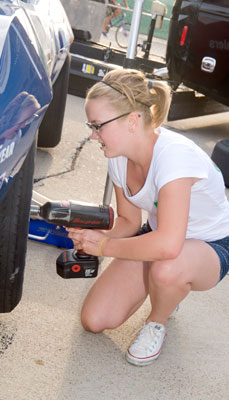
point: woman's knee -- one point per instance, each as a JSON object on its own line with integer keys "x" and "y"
{"x": 164, "y": 273}
{"x": 91, "y": 321}
{"x": 90, "y": 324}
{"x": 96, "y": 322}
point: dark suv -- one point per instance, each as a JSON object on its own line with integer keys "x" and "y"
{"x": 198, "y": 47}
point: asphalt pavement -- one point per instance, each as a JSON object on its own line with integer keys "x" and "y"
{"x": 44, "y": 351}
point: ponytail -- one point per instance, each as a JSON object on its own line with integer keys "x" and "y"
{"x": 161, "y": 102}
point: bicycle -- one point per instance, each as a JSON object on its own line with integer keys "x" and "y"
{"x": 122, "y": 32}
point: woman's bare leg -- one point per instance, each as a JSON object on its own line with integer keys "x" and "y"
{"x": 121, "y": 289}
{"x": 196, "y": 268}
{"x": 117, "y": 293}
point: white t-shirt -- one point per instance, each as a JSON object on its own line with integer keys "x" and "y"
{"x": 175, "y": 156}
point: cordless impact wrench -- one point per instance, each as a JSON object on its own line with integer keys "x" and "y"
{"x": 72, "y": 263}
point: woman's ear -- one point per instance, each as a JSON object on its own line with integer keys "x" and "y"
{"x": 133, "y": 122}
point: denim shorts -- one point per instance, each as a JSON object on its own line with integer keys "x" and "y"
{"x": 221, "y": 247}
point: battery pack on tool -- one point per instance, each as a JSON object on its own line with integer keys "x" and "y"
{"x": 53, "y": 216}
{"x": 73, "y": 264}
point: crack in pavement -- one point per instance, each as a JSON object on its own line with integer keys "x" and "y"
{"x": 73, "y": 163}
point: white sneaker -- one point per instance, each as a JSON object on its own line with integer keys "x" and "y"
{"x": 147, "y": 346}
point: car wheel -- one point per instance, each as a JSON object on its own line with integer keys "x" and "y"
{"x": 14, "y": 220}
{"x": 51, "y": 127}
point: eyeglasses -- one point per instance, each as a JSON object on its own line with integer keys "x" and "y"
{"x": 97, "y": 127}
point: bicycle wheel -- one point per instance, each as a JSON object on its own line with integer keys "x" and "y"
{"x": 122, "y": 35}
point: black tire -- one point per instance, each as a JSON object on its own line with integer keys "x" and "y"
{"x": 14, "y": 220}
{"x": 122, "y": 36}
{"x": 49, "y": 134}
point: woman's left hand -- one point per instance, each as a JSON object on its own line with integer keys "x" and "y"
{"x": 87, "y": 240}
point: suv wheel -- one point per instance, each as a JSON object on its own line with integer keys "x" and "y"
{"x": 51, "y": 127}
{"x": 14, "y": 222}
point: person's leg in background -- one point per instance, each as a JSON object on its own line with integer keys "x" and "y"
{"x": 110, "y": 13}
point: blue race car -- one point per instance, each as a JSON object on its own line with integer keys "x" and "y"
{"x": 35, "y": 38}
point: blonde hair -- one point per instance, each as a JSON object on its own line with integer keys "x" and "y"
{"x": 130, "y": 90}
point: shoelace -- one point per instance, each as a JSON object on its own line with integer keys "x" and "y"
{"x": 150, "y": 334}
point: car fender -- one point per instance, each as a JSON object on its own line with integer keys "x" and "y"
{"x": 22, "y": 75}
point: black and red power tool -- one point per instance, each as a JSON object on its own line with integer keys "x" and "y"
{"x": 71, "y": 263}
